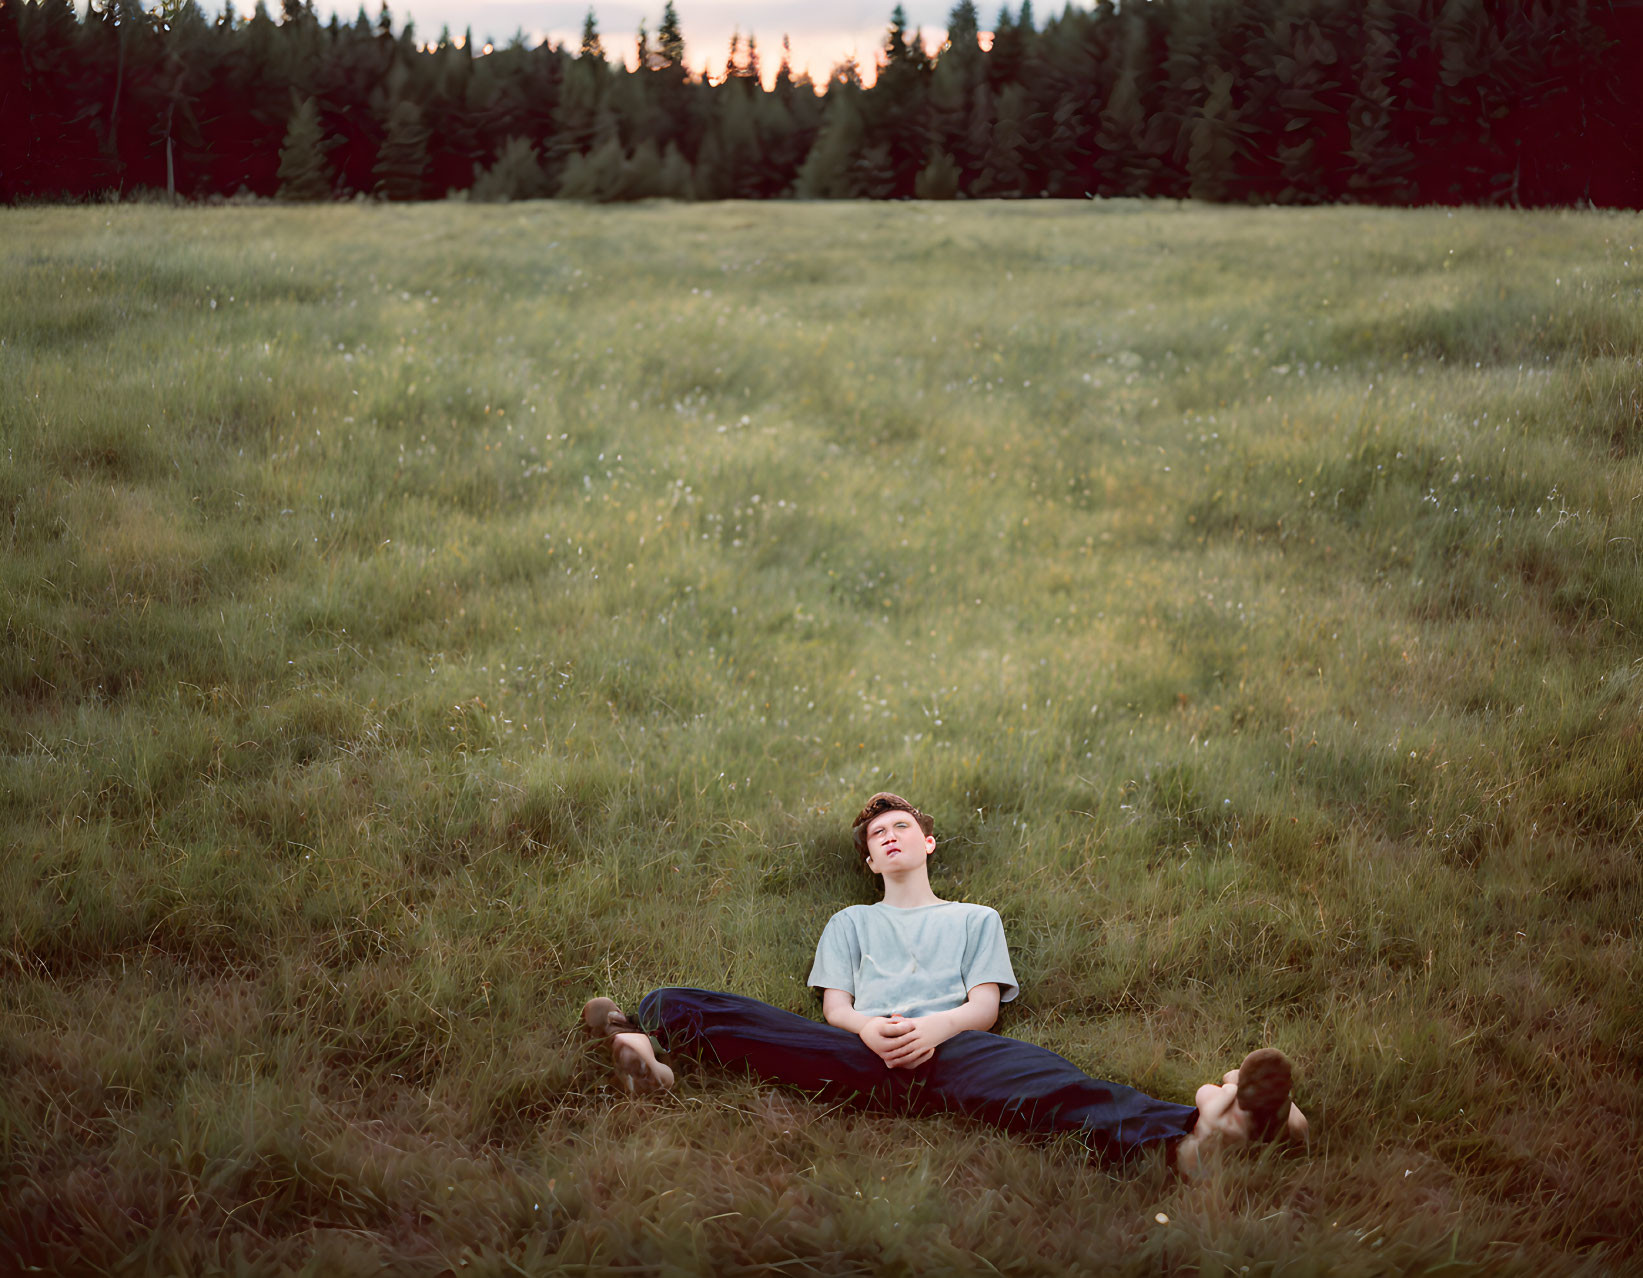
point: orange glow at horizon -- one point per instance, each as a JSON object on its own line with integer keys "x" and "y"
{"x": 813, "y": 55}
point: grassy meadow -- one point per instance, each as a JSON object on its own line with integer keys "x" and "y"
{"x": 421, "y": 619}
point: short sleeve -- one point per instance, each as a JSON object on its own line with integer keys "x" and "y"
{"x": 987, "y": 957}
{"x": 838, "y": 954}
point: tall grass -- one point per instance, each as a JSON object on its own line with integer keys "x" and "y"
{"x": 419, "y": 620}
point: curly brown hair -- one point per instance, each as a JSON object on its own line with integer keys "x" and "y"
{"x": 879, "y": 804}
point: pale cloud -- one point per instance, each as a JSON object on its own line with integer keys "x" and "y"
{"x": 821, "y": 34}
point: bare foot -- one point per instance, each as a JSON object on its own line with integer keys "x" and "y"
{"x": 1250, "y": 1103}
{"x": 636, "y": 1064}
{"x": 631, "y": 1051}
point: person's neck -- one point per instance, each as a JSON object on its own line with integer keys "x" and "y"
{"x": 909, "y": 891}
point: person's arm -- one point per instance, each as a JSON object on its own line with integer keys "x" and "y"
{"x": 916, "y": 1039}
{"x": 905, "y": 1042}
{"x": 839, "y": 1008}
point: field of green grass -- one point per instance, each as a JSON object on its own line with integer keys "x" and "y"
{"x": 420, "y": 619}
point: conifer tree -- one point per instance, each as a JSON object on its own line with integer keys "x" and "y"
{"x": 937, "y": 180}
{"x": 674, "y": 183}
{"x": 599, "y": 177}
{"x": 643, "y": 173}
{"x": 709, "y": 179}
{"x": 304, "y": 172}
{"x": 575, "y": 114}
{"x": 670, "y": 41}
{"x": 593, "y": 48}
{"x": 873, "y": 173}
{"x": 958, "y": 72}
{"x": 826, "y": 172}
{"x": 402, "y": 163}
{"x": 781, "y": 145}
{"x": 516, "y": 175}
{"x": 1306, "y": 111}
{"x": 1127, "y": 152}
{"x": 963, "y": 26}
{"x": 1380, "y": 161}
{"x": 783, "y": 86}
{"x": 1211, "y": 142}
{"x": 1009, "y": 47}
{"x": 1076, "y": 75}
{"x": 729, "y": 165}
{"x": 978, "y": 136}
{"x": 1002, "y": 172}
{"x": 896, "y": 112}
{"x": 1384, "y": 100}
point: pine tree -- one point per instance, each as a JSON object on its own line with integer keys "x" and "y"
{"x": 1211, "y": 142}
{"x": 304, "y": 172}
{"x": 826, "y": 172}
{"x": 1384, "y": 100}
{"x": 938, "y": 180}
{"x": 644, "y": 172}
{"x": 780, "y": 143}
{"x": 575, "y": 114}
{"x": 1127, "y": 152}
{"x": 1306, "y": 116}
{"x": 709, "y": 179}
{"x": 402, "y": 162}
{"x": 1478, "y": 81}
{"x": 1381, "y": 162}
{"x": 670, "y": 42}
{"x": 783, "y": 87}
{"x": 895, "y": 44}
{"x": 1002, "y": 173}
{"x": 674, "y": 183}
{"x": 593, "y": 48}
{"x": 1009, "y": 47}
{"x": 516, "y": 175}
{"x": 978, "y": 136}
{"x": 1076, "y": 71}
{"x": 1189, "y": 64}
{"x": 873, "y": 173}
{"x": 599, "y": 177}
{"x": 896, "y": 113}
{"x": 958, "y": 72}
{"x": 730, "y": 164}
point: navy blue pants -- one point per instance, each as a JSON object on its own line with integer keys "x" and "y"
{"x": 1002, "y": 1081}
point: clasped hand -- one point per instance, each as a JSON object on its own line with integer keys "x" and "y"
{"x": 904, "y": 1042}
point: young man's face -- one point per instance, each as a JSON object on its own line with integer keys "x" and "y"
{"x": 895, "y": 842}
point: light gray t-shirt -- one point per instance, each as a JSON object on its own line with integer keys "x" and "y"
{"x": 914, "y": 961}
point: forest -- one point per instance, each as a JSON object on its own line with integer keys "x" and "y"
{"x": 1393, "y": 102}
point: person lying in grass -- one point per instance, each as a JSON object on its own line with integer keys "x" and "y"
{"x": 910, "y": 988}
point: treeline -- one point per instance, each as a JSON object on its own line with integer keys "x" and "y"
{"x": 1525, "y": 102}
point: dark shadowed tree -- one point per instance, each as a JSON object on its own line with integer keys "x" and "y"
{"x": 1379, "y": 161}
{"x": 516, "y": 175}
{"x": 937, "y": 180}
{"x": 1514, "y": 101}
{"x": 827, "y": 172}
{"x": 592, "y": 46}
{"x": 305, "y": 173}
{"x": 402, "y": 164}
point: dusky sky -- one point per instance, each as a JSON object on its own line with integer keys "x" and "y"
{"x": 822, "y": 33}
